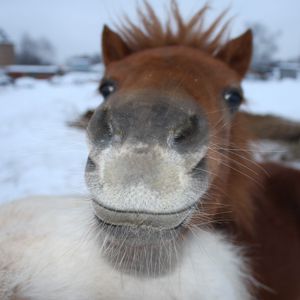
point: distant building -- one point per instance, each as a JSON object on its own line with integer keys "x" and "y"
{"x": 275, "y": 70}
{"x": 7, "y": 53}
{"x": 38, "y": 72}
{"x": 289, "y": 69}
{"x": 79, "y": 63}
{"x": 262, "y": 71}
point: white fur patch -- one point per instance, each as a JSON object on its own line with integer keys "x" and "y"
{"x": 48, "y": 251}
{"x": 156, "y": 181}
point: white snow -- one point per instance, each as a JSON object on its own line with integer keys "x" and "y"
{"x": 40, "y": 154}
{"x": 279, "y": 97}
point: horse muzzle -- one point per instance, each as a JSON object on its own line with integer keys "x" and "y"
{"x": 141, "y": 219}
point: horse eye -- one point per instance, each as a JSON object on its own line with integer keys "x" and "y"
{"x": 233, "y": 98}
{"x": 106, "y": 88}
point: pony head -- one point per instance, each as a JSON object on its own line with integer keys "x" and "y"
{"x": 158, "y": 141}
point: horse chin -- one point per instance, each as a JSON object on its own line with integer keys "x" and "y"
{"x": 141, "y": 250}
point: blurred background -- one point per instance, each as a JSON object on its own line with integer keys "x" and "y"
{"x": 50, "y": 67}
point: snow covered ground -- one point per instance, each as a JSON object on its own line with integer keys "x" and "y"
{"x": 40, "y": 154}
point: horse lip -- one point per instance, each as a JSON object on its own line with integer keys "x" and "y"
{"x": 111, "y": 227}
{"x": 141, "y": 219}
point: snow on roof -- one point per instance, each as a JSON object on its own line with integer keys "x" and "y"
{"x": 32, "y": 69}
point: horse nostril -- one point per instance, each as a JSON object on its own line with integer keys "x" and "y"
{"x": 186, "y": 131}
{"x": 106, "y": 124}
{"x": 90, "y": 165}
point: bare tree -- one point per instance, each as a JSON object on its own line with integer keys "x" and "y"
{"x": 265, "y": 43}
{"x": 35, "y": 52}
{"x": 46, "y": 51}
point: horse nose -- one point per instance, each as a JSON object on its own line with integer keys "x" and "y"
{"x": 149, "y": 123}
{"x": 186, "y": 132}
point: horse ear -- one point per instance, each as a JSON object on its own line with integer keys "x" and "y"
{"x": 113, "y": 47}
{"x": 237, "y": 53}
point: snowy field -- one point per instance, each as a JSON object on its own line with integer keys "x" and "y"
{"x": 40, "y": 154}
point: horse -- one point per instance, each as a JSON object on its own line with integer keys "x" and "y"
{"x": 178, "y": 208}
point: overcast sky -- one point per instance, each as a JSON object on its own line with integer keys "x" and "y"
{"x": 74, "y": 26}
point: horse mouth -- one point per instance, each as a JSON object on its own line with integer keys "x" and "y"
{"x": 114, "y": 221}
{"x": 139, "y": 234}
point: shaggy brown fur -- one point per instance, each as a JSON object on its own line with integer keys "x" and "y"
{"x": 153, "y": 33}
{"x": 273, "y": 128}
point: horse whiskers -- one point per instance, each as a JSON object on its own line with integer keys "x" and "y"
{"x": 205, "y": 215}
{"x": 205, "y": 171}
{"x": 201, "y": 222}
{"x": 249, "y": 150}
{"x": 251, "y": 161}
{"x": 221, "y": 122}
{"x": 236, "y": 170}
{"x": 216, "y": 148}
{"x": 230, "y": 159}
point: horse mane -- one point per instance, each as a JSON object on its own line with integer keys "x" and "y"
{"x": 153, "y": 33}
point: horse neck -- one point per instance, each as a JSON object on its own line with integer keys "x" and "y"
{"x": 231, "y": 191}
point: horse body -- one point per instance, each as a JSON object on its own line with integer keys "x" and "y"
{"x": 49, "y": 254}
{"x": 274, "y": 246}
{"x": 178, "y": 208}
